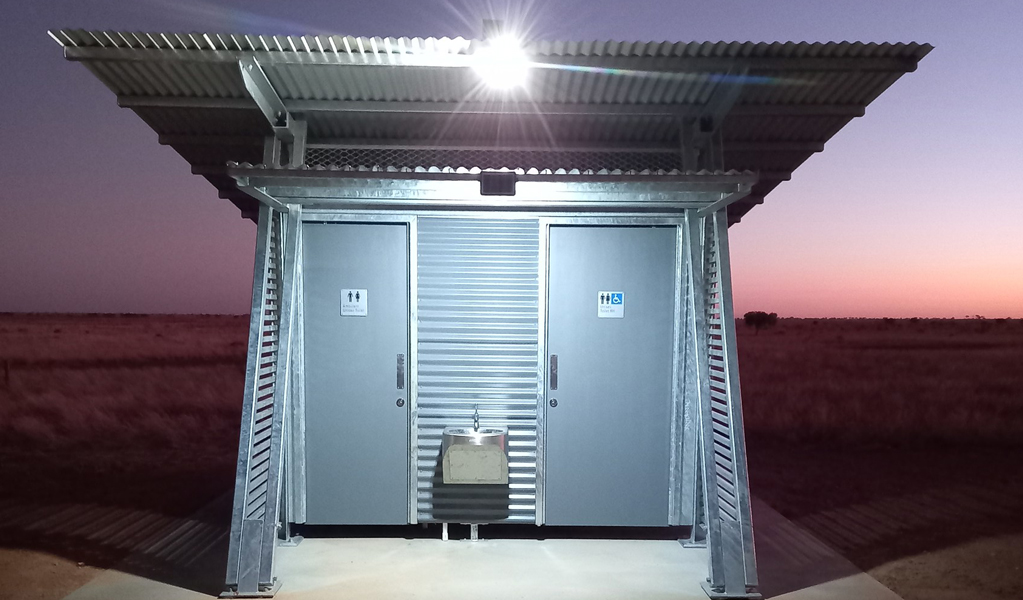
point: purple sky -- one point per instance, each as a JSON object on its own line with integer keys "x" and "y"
{"x": 913, "y": 210}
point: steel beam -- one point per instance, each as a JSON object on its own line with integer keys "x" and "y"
{"x": 264, "y": 198}
{"x": 489, "y": 108}
{"x": 771, "y": 146}
{"x": 653, "y": 64}
{"x": 365, "y": 143}
{"x": 344, "y": 178}
{"x": 210, "y": 140}
{"x": 601, "y": 203}
{"x": 702, "y": 138}
{"x": 287, "y": 130}
{"x": 799, "y": 110}
{"x": 266, "y": 98}
{"x": 412, "y": 180}
{"x": 297, "y": 148}
{"x": 774, "y": 175}
{"x": 687, "y": 145}
{"x": 353, "y": 194}
{"x": 726, "y": 93}
{"x": 725, "y": 201}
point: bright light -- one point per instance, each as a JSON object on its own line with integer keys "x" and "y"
{"x": 501, "y": 63}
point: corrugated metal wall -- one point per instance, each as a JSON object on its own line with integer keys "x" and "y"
{"x": 478, "y": 326}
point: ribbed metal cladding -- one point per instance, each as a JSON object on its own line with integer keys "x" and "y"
{"x": 478, "y": 317}
{"x": 720, "y": 402}
{"x": 263, "y": 407}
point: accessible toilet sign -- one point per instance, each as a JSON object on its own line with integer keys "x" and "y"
{"x": 611, "y": 305}
{"x": 354, "y": 303}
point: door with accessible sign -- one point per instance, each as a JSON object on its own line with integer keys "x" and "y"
{"x": 610, "y": 371}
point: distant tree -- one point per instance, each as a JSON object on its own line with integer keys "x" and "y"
{"x": 758, "y": 319}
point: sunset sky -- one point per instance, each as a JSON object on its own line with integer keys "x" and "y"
{"x": 913, "y": 210}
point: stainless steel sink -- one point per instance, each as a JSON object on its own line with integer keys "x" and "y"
{"x": 484, "y": 436}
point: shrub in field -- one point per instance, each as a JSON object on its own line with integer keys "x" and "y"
{"x": 758, "y": 319}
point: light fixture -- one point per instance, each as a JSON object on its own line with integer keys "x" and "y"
{"x": 501, "y": 62}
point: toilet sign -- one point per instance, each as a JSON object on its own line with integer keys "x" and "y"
{"x": 611, "y": 305}
{"x": 354, "y": 303}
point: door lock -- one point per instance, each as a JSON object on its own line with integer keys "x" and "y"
{"x": 554, "y": 402}
{"x": 400, "y": 402}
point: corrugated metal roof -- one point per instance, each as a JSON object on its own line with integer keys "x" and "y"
{"x": 189, "y": 89}
{"x": 587, "y": 84}
{"x": 373, "y": 47}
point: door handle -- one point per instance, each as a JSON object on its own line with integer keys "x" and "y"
{"x": 401, "y": 372}
{"x": 554, "y": 372}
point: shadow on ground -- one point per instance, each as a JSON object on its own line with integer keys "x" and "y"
{"x": 168, "y": 525}
{"x": 876, "y": 505}
{"x": 169, "y": 522}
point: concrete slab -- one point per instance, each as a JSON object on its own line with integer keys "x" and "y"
{"x": 424, "y": 568}
{"x": 498, "y": 569}
{"x": 793, "y": 565}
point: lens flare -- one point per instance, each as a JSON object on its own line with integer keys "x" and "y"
{"x": 501, "y": 63}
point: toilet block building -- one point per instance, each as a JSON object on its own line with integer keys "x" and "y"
{"x": 466, "y": 244}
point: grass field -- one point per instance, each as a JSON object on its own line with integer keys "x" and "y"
{"x": 131, "y": 387}
{"x": 885, "y": 380}
{"x": 139, "y": 414}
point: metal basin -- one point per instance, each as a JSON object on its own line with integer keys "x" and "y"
{"x": 485, "y": 436}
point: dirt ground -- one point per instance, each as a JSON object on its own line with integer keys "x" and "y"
{"x": 929, "y": 522}
{"x": 34, "y": 575}
{"x": 115, "y": 431}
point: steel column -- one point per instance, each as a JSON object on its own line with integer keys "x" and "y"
{"x": 723, "y": 453}
{"x": 541, "y": 367}
{"x": 691, "y": 486}
{"x": 698, "y": 345}
{"x": 265, "y": 406}
{"x": 257, "y": 312}
{"x": 679, "y": 511}
{"x": 295, "y": 461}
{"x": 413, "y": 370}
{"x": 744, "y": 525}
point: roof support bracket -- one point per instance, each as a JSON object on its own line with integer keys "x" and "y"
{"x": 687, "y": 141}
{"x": 260, "y": 194}
{"x": 702, "y": 145}
{"x": 742, "y": 190}
{"x": 289, "y": 131}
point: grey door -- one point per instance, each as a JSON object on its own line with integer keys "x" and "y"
{"x": 356, "y": 432}
{"x": 608, "y": 435}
